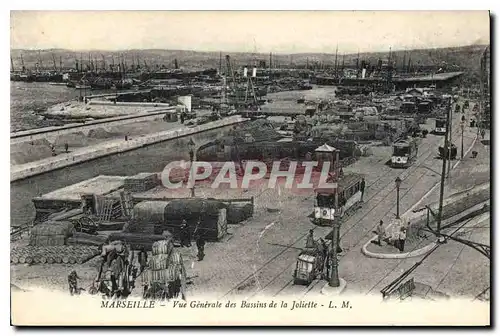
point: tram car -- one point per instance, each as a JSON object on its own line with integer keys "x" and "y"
{"x": 404, "y": 153}
{"x": 349, "y": 199}
{"x": 440, "y": 127}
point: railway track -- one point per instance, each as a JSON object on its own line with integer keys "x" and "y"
{"x": 386, "y": 183}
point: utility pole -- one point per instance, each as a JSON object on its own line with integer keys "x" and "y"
{"x": 334, "y": 280}
{"x": 443, "y": 171}
{"x": 462, "y": 126}
{"x": 450, "y": 132}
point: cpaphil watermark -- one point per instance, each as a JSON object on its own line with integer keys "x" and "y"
{"x": 305, "y": 175}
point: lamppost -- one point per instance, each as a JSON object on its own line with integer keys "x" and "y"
{"x": 334, "y": 280}
{"x": 192, "y": 147}
{"x": 462, "y": 126}
{"x": 398, "y": 184}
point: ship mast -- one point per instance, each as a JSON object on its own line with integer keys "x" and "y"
{"x": 336, "y": 54}
{"x": 22, "y": 63}
{"x": 54, "y": 61}
{"x": 11, "y": 64}
{"x": 40, "y": 60}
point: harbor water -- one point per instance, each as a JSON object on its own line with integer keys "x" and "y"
{"x": 27, "y": 100}
{"x": 151, "y": 158}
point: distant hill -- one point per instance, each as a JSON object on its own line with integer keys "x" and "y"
{"x": 466, "y": 57}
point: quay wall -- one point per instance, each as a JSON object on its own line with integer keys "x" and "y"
{"x": 146, "y": 158}
{"x": 109, "y": 148}
{"x": 140, "y": 104}
{"x": 51, "y": 133}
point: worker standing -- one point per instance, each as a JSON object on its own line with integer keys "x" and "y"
{"x": 73, "y": 282}
{"x": 200, "y": 244}
{"x": 402, "y": 239}
{"x": 185, "y": 237}
{"x": 362, "y": 188}
{"x": 143, "y": 259}
{"x": 380, "y": 232}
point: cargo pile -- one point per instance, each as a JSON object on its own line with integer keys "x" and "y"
{"x": 148, "y": 217}
{"x": 238, "y": 212}
{"x": 207, "y": 217}
{"x": 165, "y": 265}
{"x": 53, "y": 254}
{"x": 141, "y": 182}
{"x": 51, "y": 234}
{"x": 260, "y": 130}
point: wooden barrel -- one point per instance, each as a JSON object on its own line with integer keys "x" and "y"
{"x": 50, "y": 259}
{"x": 36, "y": 259}
{"x": 22, "y": 259}
{"x": 29, "y": 259}
{"x": 58, "y": 259}
{"x": 43, "y": 260}
{"x": 162, "y": 247}
{"x": 14, "y": 259}
{"x": 65, "y": 259}
{"x": 72, "y": 259}
{"x": 80, "y": 259}
{"x": 159, "y": 262}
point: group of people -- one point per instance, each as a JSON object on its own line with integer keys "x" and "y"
{"x": 399, "y": 238}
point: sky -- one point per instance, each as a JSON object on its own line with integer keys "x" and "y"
{"x": 245, "y": 31}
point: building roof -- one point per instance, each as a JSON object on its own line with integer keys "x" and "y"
{"x": 325, "y": 148}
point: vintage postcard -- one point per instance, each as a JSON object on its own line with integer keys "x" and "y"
{"x": 322, "y": 168}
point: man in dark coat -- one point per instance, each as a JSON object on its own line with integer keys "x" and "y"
{"x": 185, "y": 237}
{"x": 200, "y": 244}
{"x": 143, "y": 259}
{"x": 362, "y": 188}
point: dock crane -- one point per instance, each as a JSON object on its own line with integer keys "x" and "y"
{"x": 146, "y": 65}
{"x": 230, "y": 73}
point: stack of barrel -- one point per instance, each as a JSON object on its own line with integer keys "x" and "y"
{"x": 52, "y": 254}
{"x": 165, "y": 265}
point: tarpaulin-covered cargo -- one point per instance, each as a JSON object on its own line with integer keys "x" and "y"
{"x": 53, "y": 228}
{"x": 192, "y": 208}
{"x": 51, "y": 234}
{"x": 150, "y": 211}
{"x": 212, "y": 227}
